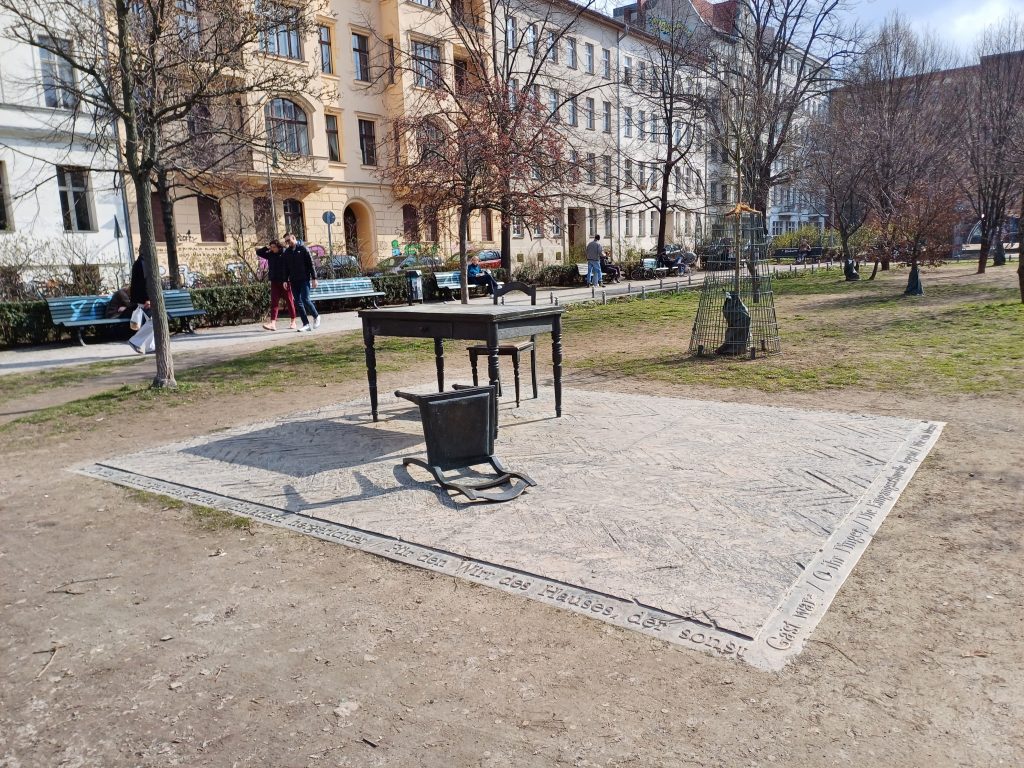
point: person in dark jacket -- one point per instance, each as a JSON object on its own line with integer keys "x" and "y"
{"x": 120, "y": 304}
{"x": 301, "y": 276}
{"x": 280, "y": 288}
{"x": 142, "y": 341}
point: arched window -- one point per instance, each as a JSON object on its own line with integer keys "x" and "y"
{"x": 287, "y": 127}
{"x": 294, "y": 218}
{"x": 411, "y": 223}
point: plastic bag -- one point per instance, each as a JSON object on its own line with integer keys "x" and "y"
{"x": 138, "y": 318}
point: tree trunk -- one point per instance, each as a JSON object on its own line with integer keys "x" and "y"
{"x": 163, "y": 191}
{"x": 1020, "y": 250}
{"x": 660, "y": 251}
{"x": 506, "y": 239}
{"x": 986, "y": 246}
{"x": 147, "y": 247}
{"x": 463, "y": 239}
{"x": 874, "y": 269}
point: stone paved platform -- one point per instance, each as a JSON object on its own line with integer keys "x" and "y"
{"x": 718, "y": 526}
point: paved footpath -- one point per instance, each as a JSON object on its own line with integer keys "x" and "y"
{"x": 249, "y": 338}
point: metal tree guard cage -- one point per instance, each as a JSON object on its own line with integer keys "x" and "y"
{"x": 736, "y": 315}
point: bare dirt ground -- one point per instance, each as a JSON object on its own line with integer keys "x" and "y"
{"x": 134, "y": 636}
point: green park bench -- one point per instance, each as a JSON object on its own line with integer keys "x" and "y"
{"x": 80, "y": 312}
{"x": 345, "y": 288}
{"x": 450, "y": 283}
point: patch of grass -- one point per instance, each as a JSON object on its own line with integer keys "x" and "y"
{"x": 320, "y": 361}
{"x": 205, "y": 518}
{"x": 18, "y": 385}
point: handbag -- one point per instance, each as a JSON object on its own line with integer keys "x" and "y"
{"x": 138, "y": 318}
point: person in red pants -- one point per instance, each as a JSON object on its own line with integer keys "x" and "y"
{"x": 277, "y": 271}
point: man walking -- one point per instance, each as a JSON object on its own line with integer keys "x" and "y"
{"x": 301, "y": 275}
{"x": 277, "y": 271}
{"x": 594, "y": 251}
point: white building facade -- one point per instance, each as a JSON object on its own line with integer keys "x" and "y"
{"x": 62, "y": 212}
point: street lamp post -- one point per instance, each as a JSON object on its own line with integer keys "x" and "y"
{"x": 271, "y": 157}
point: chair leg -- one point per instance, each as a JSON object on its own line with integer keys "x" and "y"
{"x": 515, "y": 373}
{"x": 472, "y": 363}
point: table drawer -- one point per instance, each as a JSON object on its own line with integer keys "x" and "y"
{"x": 424, "y": 329}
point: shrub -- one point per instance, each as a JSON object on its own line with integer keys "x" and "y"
{"x": 26, "y": 322}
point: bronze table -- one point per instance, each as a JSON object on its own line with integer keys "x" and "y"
{"x": 488, "y": 323}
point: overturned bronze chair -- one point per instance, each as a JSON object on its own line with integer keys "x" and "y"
{"x": 459, "y": 428}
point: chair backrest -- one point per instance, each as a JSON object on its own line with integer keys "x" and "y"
{"x": 458, "y": 426}
{"x": 514, "y": 285}
{"x": 650, "y": 263}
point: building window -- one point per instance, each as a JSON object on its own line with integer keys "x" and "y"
{"x": 607, "y": 117}
{"x": 368, "y": 141}
{"x": 553, "y": 99}
{"x": 713, "y": 197}
{"x": 294, "y": 220}
{"x": 641, "y": 174}
{"x": 531, "y": 39}
{"x": 426, "y": 59}
{"x": 486, "y": 225}
{"x": 642, "y": 125}
{"x": 591, "y": 168}
{"x": 75, "y": 209}
{"x": 590, "y": 114}
{"x": 264, "y": 218}
{"x": 281, "y": 38}
{"x": 627, "y": 70}
{"x": 517, "y": 227}
{"x": 629, "y": 223}
{"x": 574, "y": 118}
{"x": 628, "y": 122}
{"x": 607, "y": 222}
{"x": 410, "y": 223}
{"x": 588, "y": 58}
{"x": 511, "y": 33}
{"x": 677, "y": 179}
{"x": 426, "y": 3}
{"x": 361, "y": 57}
{"x": 570, "y": 53}
{"x": 606, "y": 62}
{"x": 326, "y": 50}
{"x": 157, "y": 206}
{"x": 592, "y": 221}
{"x": 287, "y": 126}
{"x": 211, "y": 224}
{"x": 538, "y": 231}
{"x": 553, "y": 47}
{"x": 333, "y": 138}
{"x": 629, "y": 173}
{"x": 776, "y": 228}
{"x": 607, "y": 161}
{"x": 556, "y": 227}
{"x": 58, "y": 74}
{"x": 187, "y": 18}
{"x": 654, "y": 223}
{"x": 641, "y": 225}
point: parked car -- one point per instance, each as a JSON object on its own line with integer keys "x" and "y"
{"x": 340, "y": 265}
{"x": 489, "y": 259}
{"x": 396, "y": 265}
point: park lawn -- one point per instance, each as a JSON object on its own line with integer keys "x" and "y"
{"x": 964, "y": 336}
{"x": 319, "y": 361}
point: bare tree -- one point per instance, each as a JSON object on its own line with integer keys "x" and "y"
{"x": 145, "y": 65}
{"x": 901, "y": 91}
{"x": 774, "y": 66}
{"x": 666, "y": 87}
{"x": 837, "y": 164}
{"x": 991, "y": 94}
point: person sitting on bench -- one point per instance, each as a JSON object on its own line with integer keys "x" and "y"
{"x": 479, "y": 276}
{"x": 614, "y": 273}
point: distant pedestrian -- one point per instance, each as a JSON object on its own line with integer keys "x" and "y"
{"x": 280, "y": 288}
{"x": 594, "y": 252}
{"x": 301, "y": 276}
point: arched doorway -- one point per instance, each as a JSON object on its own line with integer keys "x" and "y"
{"x": 358, "y": 226}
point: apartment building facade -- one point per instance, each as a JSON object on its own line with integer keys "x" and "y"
{"x": 62, "y": 211}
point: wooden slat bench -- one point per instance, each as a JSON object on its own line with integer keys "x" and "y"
{"x": 345, "y": 288}
{"x": 647, "y": 269}
{"x": 449, "y": 284}
{"x": 80, "y": 312}
{"x": 581, "y": 269}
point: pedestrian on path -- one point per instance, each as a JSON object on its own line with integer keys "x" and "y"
{"x": 594, "y": 252}
{"x": 280, "y": 288}
{"x": 143, "y": 341}
{"x": 301, "y": 275}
